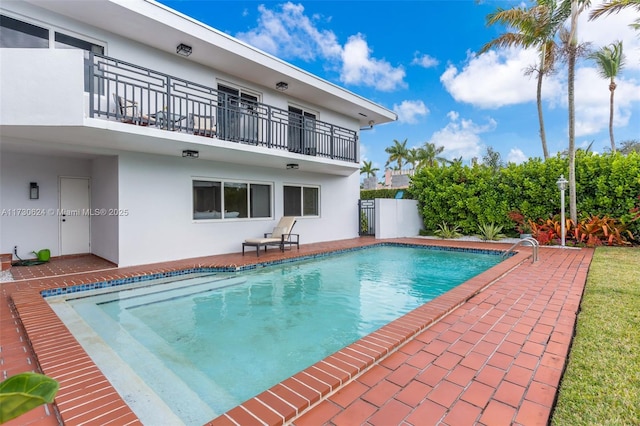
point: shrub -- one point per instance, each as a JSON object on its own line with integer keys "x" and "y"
{"x": 446, "y": 231}
{"x": 364, "y": 223}
{"x": 370, "y": 194}
{"x": 490, "y": 231}
{"x": 596, "y": 231}
{"x": 606, "y": 184}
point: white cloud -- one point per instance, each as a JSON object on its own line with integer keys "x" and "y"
{"x": 516, "y": 156}
{"x": 493, "y": 79}
{"x": 460, "y": 137}
{"x": 358, "y": 67}
{"x": 592, "y": 102}
{"x": 496, "y": 79}
{"x": 287, "y": 32}
{"x": 424, "y": 60}
{"x": 607, "y": 29}
{"x": 592, "y": 90}
{"x": 410, "y": 111}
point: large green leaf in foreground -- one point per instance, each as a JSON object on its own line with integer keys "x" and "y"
{"x": 24, "y": 392}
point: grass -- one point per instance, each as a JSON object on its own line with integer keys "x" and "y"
{"x": 601, "y": 385}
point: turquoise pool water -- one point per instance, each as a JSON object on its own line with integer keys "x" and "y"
{"x": 221, "y": 339}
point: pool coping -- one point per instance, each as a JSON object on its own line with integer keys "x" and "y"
{"x": 61, "y": 356}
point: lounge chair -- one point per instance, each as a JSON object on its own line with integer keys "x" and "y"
{"x": 203, "y": 125}
{"x": 280, "y": 236}
{"x": 128, "y": 112}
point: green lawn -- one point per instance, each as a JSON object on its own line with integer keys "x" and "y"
{"x": 601, "y": 385}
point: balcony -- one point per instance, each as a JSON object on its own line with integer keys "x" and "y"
{"x": 143, "y": 97}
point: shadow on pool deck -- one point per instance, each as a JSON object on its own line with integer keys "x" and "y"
{"x": 490, "y": 357}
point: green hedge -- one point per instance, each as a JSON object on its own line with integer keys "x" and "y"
{"x": 371, "y": 194}
{"x": 607, "y": 184}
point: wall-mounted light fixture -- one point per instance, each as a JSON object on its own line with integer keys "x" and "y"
{"x": 293, "y": 166}
{"x": 183, "y": 49}
{"x": 371, "y": 123}
{"x": 282, "y": 86}
{"x": 34, "y": 191}
{"x": 188, "y": 153}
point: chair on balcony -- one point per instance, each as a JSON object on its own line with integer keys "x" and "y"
{"x": 203, "y": 125}
{"x": 280, "y": 236}
{"x": 128, "y": 112}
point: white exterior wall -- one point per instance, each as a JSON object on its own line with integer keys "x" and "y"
{"x": 154, "y": 190}
{"x": 17, "y": 227}
{"x": 104, "y": 195}
{"x": 39, "y": 101}
{"x": 157, "y": 193}
{"x": 397, "y": 218}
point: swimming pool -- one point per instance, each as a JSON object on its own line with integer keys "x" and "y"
{"x": 341, "y": 298}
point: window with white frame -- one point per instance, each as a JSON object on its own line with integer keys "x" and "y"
{"x": 15, "y": 33}
{"x": 213, "y": 199}
{"x": 301, "y": 200}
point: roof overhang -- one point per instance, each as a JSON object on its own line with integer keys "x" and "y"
{"x": 163, "y": 28}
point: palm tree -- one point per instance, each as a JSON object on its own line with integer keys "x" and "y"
{"x": 615, "y": 6}
{"x": 570, "y": 40}
{"x": 413, "y": 157}
{"x": 454, "y": 162}
{"x": 367, "y": 167}
{"x": 428, "y": 155}
{"x": 492, "y": 159}
{"x": 534, "y": 27}
{"x": 398, "y": 152}
{"x": 629, "y": 146}
{"x": 610, "y": 61}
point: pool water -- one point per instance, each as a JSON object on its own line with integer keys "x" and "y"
{"x": 227, "y": 338}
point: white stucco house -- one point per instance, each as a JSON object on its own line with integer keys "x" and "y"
{"x": 141, "y": 135}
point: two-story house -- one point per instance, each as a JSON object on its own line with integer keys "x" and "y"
{"x": 138, "y": 134}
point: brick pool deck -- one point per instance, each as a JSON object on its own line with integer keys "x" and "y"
{"x": 490, "y": 352}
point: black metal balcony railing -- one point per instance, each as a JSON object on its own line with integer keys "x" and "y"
{"x": 137, "y": 95}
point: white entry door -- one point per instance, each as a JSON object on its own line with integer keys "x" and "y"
{"x": 74, "y": 217}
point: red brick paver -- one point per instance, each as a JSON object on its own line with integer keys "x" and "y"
{"x": 496, "y": 358}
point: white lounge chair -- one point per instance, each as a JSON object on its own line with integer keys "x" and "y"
{"x": 280, "y": 236}
{"x": 203, "y": 125}
{"x": 128, "y": 112}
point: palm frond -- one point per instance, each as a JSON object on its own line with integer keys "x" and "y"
{"x": 613, "y": 6}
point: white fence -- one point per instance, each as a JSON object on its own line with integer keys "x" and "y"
{"x": 397, "y": 218}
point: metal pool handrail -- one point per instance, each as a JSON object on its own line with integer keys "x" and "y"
{"x": 532, "y": 241}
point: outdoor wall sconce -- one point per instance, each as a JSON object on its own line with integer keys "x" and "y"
{"x": 292, "y": 166}
{"x": 190, "y": 154}
{"x": 184, "y": 50}
{"x": 282, "y": 86}
{"x": 370, "y": 126}
{"x": 34, "y": 191}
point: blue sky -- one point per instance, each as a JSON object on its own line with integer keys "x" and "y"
{"x": 419, "y": 58}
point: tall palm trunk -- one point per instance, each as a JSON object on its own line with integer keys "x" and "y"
{"x": 612, "y": 88}
{"x": 543, "y": 137}
{"x": 573, "y": 211}
{"x": 571, "y": 65}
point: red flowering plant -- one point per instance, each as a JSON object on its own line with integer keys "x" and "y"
{"x": 522, "y": 225}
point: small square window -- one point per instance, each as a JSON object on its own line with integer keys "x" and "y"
{"x": 301, "y": 200}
